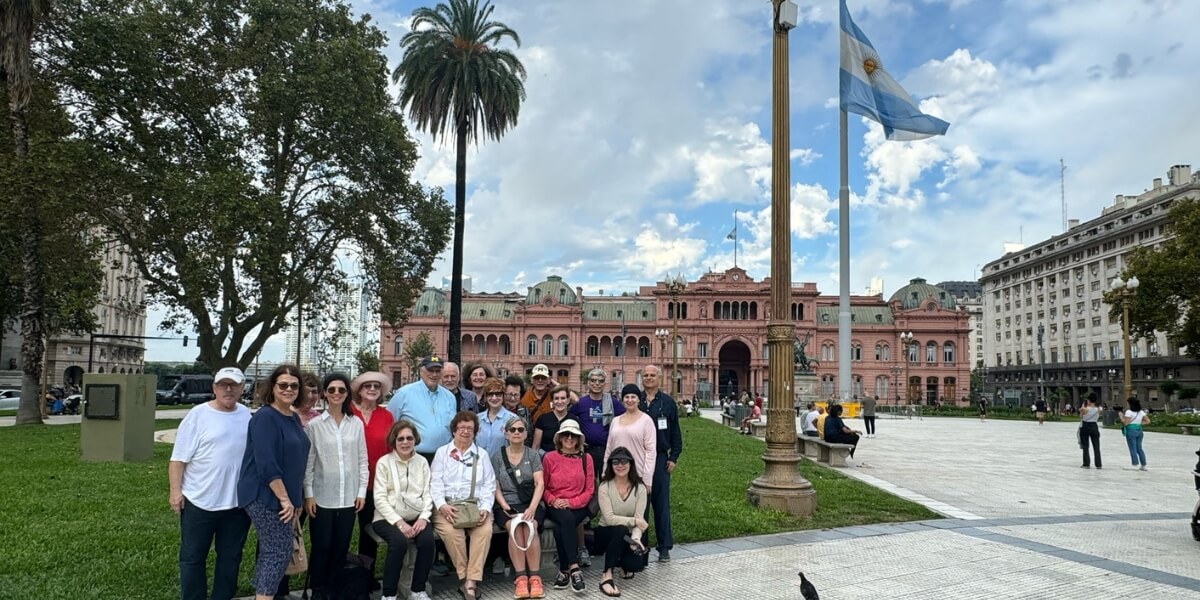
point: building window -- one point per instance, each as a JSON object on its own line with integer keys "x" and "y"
{"x": 948, "y": 353}
{"x": 827, "y": 386}
{"x": 505, "y": 345}
{"x": 882, "y": 352}
{"x": 679, "y": 346}
{"x": 828, "y": 352}
{"x": 931, "y": 352}
{"x": 881, "y": 386}
{"x": 593, "y": 346}
{"x": 531, "y": 345}
{"x": 643, "y": 348}
{"x": 563, "y": 346}
{"x": 856, "y": 387}
{"x": 1097, "y": 352}
{"x": 398, "y": 347}
{"x": 702, "y": 349}
{"x": 856, "y": 353}
{"x": 548, "y": 345}
{"x": 912, "y": 351}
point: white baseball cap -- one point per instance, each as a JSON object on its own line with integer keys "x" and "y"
{"x": 232, "y": 373}
{"x": 540, "y": 371}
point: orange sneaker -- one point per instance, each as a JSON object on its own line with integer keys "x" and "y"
{"x": 522, "y": 591}
{"x": 535, "y": 587}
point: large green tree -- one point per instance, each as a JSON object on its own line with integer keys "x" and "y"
{"x": 456, "y": 80}
{"x": 258, "y": 146}
{"x": 1168, "y": 294}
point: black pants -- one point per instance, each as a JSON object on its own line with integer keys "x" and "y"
{"x": 198, "y": 530}
{"x": 844, "y": 438}
{"x": 565, "y": 538}
{"x": 1091, "y": 431}
{"x": 367, "y": 546}
{"x": 870, "y": 422}
{"x": 617, "y": 553}
{"x": 660, "y": 504}
{"x": 398, "y": 546}
{"x": 331, "y": 530}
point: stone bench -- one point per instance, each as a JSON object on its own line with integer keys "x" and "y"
{"x": 759, "y": 428}
{"x": 729, "y": 420}
{"x": 1188, "y": 428}
{"x": 819, "y": 450}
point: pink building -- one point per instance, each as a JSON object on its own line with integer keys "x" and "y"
{"x": 722, "y": 336}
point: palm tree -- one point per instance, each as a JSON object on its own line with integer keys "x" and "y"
{"x": 455, "y": 79}
{"x": 18, "y": 20}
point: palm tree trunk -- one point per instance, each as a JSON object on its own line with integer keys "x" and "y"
{"x": 460, "y": 217}
{"x": 33, "y": 311}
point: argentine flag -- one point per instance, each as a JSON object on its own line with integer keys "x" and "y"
{"x": 868, "y": 90}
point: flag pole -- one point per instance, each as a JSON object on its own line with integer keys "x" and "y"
{"x": 844, "y": 265}
{"x": 735, "y": 239}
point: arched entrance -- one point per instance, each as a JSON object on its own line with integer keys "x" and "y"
{"x": 733, "y": 374}
{"x": 73, "y": 375}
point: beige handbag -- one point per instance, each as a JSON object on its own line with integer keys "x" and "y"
{"x": 299, "y": 562}
{"x": 466, "y": 511}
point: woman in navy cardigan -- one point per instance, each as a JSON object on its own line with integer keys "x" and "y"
{"x": 272, "y": 477}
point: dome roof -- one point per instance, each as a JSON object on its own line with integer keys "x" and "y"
{"x": 917, "y": 291}
{"x": 552, "y": 287}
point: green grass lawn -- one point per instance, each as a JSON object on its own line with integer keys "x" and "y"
{"x": 103, "y": 530}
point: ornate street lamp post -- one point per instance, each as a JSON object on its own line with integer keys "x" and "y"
{"x": 1124, "y": 291}
{"x": 780, "y": 486}
{"x": 906, "y": 340}
{"x": 675, "y": 286}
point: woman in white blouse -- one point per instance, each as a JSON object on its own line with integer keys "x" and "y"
{"x": 403, "y": 506}
{"x": 335, "y": 481}
{"x": 458, "y": 468}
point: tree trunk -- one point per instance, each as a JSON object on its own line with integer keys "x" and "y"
{"x": 460, "y": 209}
{"x": 33, "y": 309}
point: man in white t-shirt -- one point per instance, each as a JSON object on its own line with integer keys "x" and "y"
{"x": 810, "y": 421}
{"x": 203, "y": 474}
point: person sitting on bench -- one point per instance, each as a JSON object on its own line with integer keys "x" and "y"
{"x": 836, "y": 431}
{"x": 755, "y": 414}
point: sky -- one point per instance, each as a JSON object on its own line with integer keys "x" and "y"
{"x": 647, "y": 126}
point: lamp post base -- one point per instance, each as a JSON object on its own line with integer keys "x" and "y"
{"x": 795, "y": 496}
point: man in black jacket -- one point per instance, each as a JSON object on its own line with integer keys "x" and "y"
{"x": 662, "y": 410}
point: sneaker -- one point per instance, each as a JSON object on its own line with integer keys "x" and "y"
{"x": 388, "y": 598}
{"x": 535, "y": 587}
{"x": 439, "y": 569}
{"x": 1129, "y": 468}
{"x": 577, "y": 581}
{"x": 522, "y": 588}
{"x": 498, "y": 567}
{"x": 1143, "y": 468}
{"x": 585, "y": 558}
{"x": 664, "y": 555}
{"x": 561, "y": 581}
{"x": 418, "y": 596}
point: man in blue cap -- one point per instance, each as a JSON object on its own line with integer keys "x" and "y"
{"x": 427, "y": 405}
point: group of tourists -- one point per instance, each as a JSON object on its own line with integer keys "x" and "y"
{"x": 436, "y": 467}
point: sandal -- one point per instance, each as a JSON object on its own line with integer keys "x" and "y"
{"x": 627, "y": 574}
{"x": 608, "y": 588}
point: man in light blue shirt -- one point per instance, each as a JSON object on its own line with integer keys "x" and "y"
{"x": 428, "y": 406}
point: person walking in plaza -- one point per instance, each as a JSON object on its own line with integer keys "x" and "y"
{"x": 1039, "y": 409}
{"x": 474, "y": 374}
{"x": 366, "y": 391}
{"x": 545, "y": 426}
{"x": 983, "y": 405}
{"x": 403, "y": 507}
{"x": 203, "y": 474}
{"x": 868, "y": 414}
{"x": 537, "y": 399}
{"x": 335, "y": 482}
{"x": 466, "y": 399}
{"x": 271, "y": 482}
{"x": 519, "y": 489}
{"x": 428, "y": 405}
{"x": 493, "y": 417}
{"x": 661, "y": 409}
{"x": 1133, "y": 420}
{"x": 623, "y": 500}
{"x": 569, "y": 487}
{"x": 462, "y": 471}
{"x": 1089, "y": 426}
{"x": 837, "y": 432}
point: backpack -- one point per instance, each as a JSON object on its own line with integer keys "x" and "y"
{"x": 353, "y": 581}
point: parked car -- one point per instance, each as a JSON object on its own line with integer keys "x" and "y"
{"x": 1187, "y": 410}
{"x": 193, "y": 389}
{"x": 9, "y": 399}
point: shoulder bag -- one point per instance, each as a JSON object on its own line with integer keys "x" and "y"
{"x": 466, "y": 511}
{"x": 299, "y": 562}
{"x": 524, "y": 489}
{"x": 593, "y": 505}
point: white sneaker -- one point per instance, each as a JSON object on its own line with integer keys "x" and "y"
{"x": 388, "y": 598}
{"x": 418, "y": 596}
{"x": 1143, "y": 468}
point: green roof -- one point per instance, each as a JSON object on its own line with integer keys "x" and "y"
{"x": 552, "y": 287}
{"x": 863, "y": 315}
{"x": 488, "y": 311}
{"x": 917, "y": 290}
{"x": 635, "y": 310}
{"x": 432, "y": 301}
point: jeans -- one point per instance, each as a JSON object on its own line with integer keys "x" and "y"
{"x": 1133, "y": 438}
{"x": 198, "y": 529}
{"x": 330, "y": 529}
{"x": 660, "y": 504}
{"x": 398, "y": 546}
{"x": 870, "y": 423}
{"x": 1091, "y": 431}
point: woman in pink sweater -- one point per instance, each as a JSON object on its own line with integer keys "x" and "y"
{"x": 567, "y": 473}
{"x": 634, "y": 430}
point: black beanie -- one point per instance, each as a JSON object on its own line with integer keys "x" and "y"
{"x": 630, "y": 388}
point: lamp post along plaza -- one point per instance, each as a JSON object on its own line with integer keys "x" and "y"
{"x": 675, "y": 286}
{"x": 780, "y": 486}
{"x": 1124, "y": 291}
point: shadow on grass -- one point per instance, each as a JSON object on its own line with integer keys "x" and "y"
{"x": 708, "y": 491}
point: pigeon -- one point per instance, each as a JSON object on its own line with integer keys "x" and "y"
{"x": 807, "y": 589}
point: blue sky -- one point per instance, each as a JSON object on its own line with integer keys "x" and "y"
{"x": 647, "y": 125}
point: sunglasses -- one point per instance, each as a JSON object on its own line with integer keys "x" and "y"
{"x": 371, "y": 386}
{"x": 592, "y": 380}
{"x": 494, "y": 395}
{"x": 335, "y": 390}
{"x": 405, "y": 438}
{"x": 287, "y": 386}
{"x": 617, "y": 462}
{"x": 516, "y": 430}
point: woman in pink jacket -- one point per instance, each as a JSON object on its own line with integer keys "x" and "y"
{"x": 567, "y": 473}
